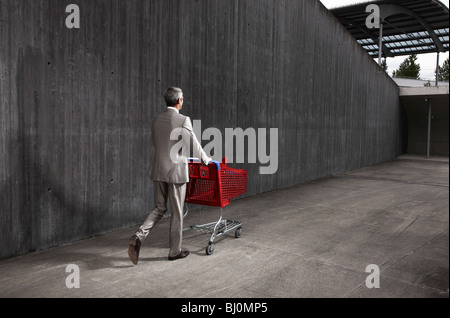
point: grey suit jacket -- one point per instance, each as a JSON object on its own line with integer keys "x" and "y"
{"x": 173, "y": 137}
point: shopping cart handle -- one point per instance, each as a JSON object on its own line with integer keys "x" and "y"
{"x": 217, "y": 163}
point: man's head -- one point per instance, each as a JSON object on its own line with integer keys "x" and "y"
{"x": 174, "y": 97}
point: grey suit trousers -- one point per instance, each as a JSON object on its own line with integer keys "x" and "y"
{"x": 163, "y": 193}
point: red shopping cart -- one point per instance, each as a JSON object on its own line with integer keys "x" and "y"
{"x": 215, "y": 185}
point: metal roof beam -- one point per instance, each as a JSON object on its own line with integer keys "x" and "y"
{"x": 373, "y": 36}
{"x": 388, "y": 10}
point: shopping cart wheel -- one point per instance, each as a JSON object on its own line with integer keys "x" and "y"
{"x": 237, "y": 234}
{"x": 210, "y": 249}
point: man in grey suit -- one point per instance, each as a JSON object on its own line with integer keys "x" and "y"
{"x": 172, "y": 137}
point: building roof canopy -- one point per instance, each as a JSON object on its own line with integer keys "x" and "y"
{"x": 409, "y": 26}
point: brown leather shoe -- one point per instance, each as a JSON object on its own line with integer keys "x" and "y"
{"x": 182, "y": 254}
{"x": 133, "y": 250}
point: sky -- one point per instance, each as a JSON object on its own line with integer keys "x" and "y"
{"x": 427, "y": 61}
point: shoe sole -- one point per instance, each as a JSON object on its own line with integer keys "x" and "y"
{"x": 132, "y": 254}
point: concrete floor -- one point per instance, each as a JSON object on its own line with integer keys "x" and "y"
{"x": 311, "y": 240}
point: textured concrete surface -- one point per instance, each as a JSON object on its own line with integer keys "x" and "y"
{"x": 76, "y": 104}
{"x": 310, "y": 240}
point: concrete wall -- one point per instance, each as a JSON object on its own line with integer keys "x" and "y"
{"x": 76, "y": 104}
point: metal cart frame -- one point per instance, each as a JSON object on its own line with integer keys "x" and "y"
{"x": 216, "y": 229}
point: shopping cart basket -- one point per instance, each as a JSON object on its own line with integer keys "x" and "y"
{"x": 215, "y": 185}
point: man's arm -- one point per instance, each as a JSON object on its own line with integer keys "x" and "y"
{"x": 196, "y": 146}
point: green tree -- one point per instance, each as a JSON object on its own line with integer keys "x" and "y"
{"x": 443, "y": 71}
{"x": 384, "y": 65}
{"x": 409, "y": 68}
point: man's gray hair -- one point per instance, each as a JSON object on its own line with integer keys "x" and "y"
{"x": 172, "y": 95}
